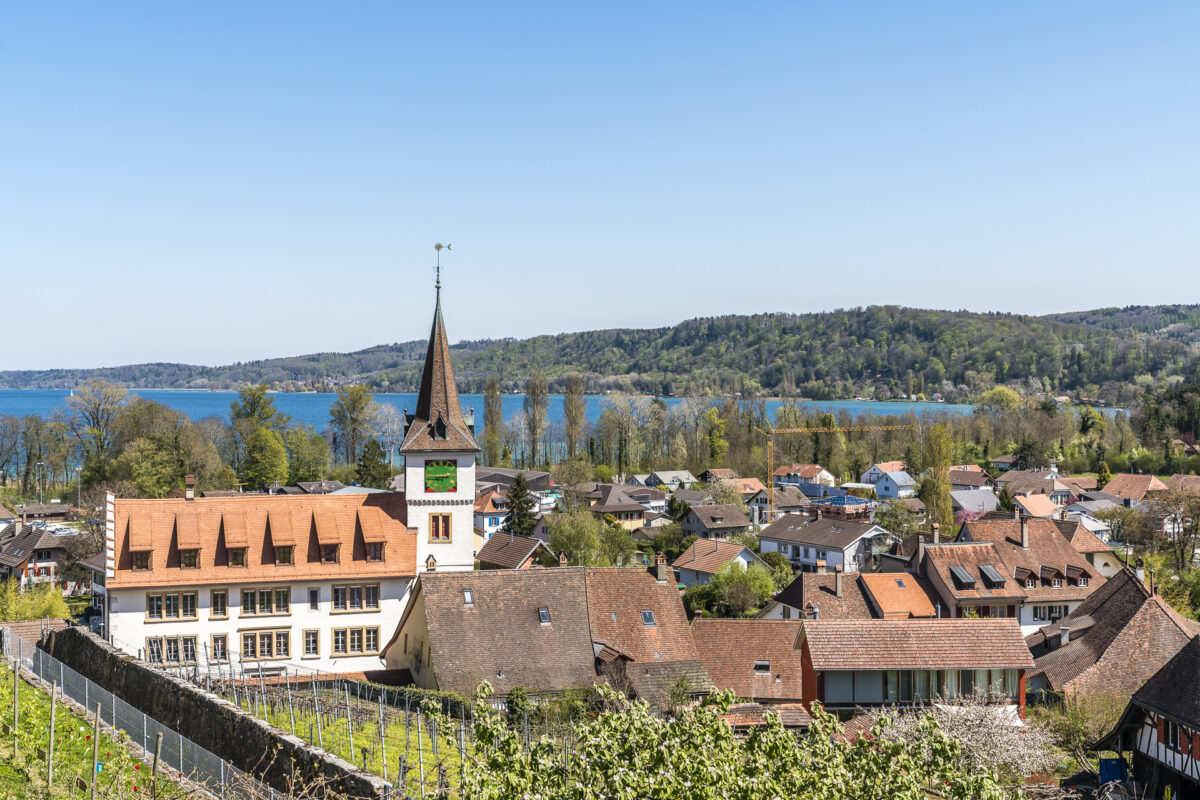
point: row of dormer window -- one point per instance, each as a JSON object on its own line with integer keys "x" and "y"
{"x": 285, "y": 556}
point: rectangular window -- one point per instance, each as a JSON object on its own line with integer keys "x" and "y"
{"x": 189, "y": 559}
{"x": 339, "y": 598}
{"x": 648, "y": 618}
{"x": 237, "y": 557}
{"x": 266, "y": 648}
{"x": 141, "y": 561}
{"x": 154, "y": 606}
{"x": 264, "y": 601}
{"x": 314, "y": 599}
{"x": 356, "y": 640}
{"x": 762, "y": 667}
{"x": 339, "y": 642}
{"x": 283, "y": 644}
{"x": 544, "y": 615}
{"x": 439, "y": 528}
{"x": 188, "y": 643}
{"x": 312, "y": 643}
{"x": 218, "y": 604}
{"x": 371, "y": 596}
{"x": 372, "y": 640}
{"x": 171, "y": 650}
{"x": 1082, "y": 580}
{"x": 249, "y": 645}
{"x": 283, "y": 601}
{"x": 220, "y": 647}
{"x": 375, "y": 551}
{"x": 154, "y": 651}
{"x": 188, "y": 605}
{"x": 283, "y": 555}
{"x": 1056, "y": 583}
{"x": 329, "y": 553}
{"x": 249, "y": 602}
{"x": 468, "y": 597}
{"x": 356, "y": 598}
{"x": 171, "y": 606}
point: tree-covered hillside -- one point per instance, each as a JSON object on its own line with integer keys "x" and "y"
{"x": 880, "y": 351}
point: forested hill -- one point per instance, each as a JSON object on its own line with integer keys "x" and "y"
{"x": 880, "y": 352}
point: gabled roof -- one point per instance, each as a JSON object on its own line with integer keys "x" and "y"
{"x": 1184, "y": 483}
{"x": 915, "y": 644}
{"x": 901, "y": 478}
{"x": 1119, "y": 637}
{"x": 720, "y": 473}
{"x": 1048, "y": 547}
{"x": 818, "y": 590}
{"x": 730, "y": 649}
{"x": 693, "y": 497}
{"x": 745, "y": 486}
{"x": 809, "y": 471}
{"x": 25, "y": 540}
{"x": 1133, "y": 487}
{"x": 507, "y": 550}
{"x": 1080, "y": 537}
{"x": 1175, "y": 689}
{"x": 889, "y": 466}
{"x": 787, "y": 497}
{"x": 486, "y": 503}
{"x": 710, "y": 555}
{"x": 951, "y": 561}
{"x": 962, "y": 477}
{"x": 438, "y": 423}
{"x": 976, "y": 500}
{"x": 722, "y": 516}
{"x": 1036, "y": 505}
{"x": 616, "y": 598}
{"x": 823, "y": 532}
{"x": 668, "y": 476}
{"x": 614, "y": 499}
{"x": 899, "y": 595}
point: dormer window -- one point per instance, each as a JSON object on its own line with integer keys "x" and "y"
{"x": 284, "y": 555}
{"x": 329, "y": 553}
{"x": 1056, "y": 583}
{"x": 189, "y": 559}
{"x": 141, "y": 561}
{"x": 762, "y": 667}
{"x": 544, "y": 615}
{"x": 1082, "y": 580}
{"x": 1031, "y": 583}
{"x": 375, "y": 551}
{"x": 237, "y": 557}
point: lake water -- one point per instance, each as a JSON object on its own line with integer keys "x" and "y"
{"x": 314, "y": 408}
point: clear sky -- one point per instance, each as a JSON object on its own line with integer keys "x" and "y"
{"x": 224, "y": 181}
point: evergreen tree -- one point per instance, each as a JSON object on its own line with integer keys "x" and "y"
{"x": 1104, "y": 475}
{"x": 1005, "y": 499}
{"x": 266, "y": 461}
{"x": 372, "y": 468}
{"x": 521, "y": 518}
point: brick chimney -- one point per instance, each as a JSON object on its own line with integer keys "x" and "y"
{"x": 937, "y": 533}
{"x": 1062, "y": 514}
{"x": 821, "y": 570}
{"x": 189, "y": 487}
{"x": 837, "y": 581}
{"x": 662, "y": 573}
{"x": 562, "y": 558}
{"x": 1025, "y": 533}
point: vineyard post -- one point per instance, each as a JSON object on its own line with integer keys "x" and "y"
{"x": 317, "y": 711}
{"x": 96, "y": 749}
{"x": 50, "y": 738}
{"x": 349, "y": 722}
{"x": 154, "y": 771}
{"x": 420, "y": 753}
{"x": 16, "y": 696}
{"x": 382, "y": 739}
{"x": 291, "y": 712}
{"x": 462, "y": 754}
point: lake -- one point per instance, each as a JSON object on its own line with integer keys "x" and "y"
{"x": 314, "y": 408}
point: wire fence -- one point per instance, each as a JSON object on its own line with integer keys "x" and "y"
{"x": 188, "y": 759}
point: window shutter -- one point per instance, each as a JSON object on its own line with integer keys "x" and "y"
{"x": 1195, "y": 745}
{"x": 1162, "y": 733}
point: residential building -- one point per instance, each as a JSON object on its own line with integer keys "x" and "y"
{"x": 257, "y": 580}
{"x": 719, "y": 474}
{"x": 746, "y": 487}
{"x": 653, "y": 500}
{"x": 1159, "y": 732}
{"x": 756, "y": 659}
{"x": 1133, "y": 488}
{"x": 1036, "y": 505}
{"x": 974, "y": 501}
{"x": 491, "y": 512}
{"x": 877, "y": 471}
{"x": 671, "y": 478}
{"x": 717, "y": 521}
{"x": 1004, "y": 463}
{"x": 800, "y": 474}
{"x": 548, "y": 630}
{"x": 535, "y": 480}
{"x": 970, "y": 479}
{"x": 897, "y": 484}
{"x": 820, "y": 540}
{"x": 49, "y": 512}
{"x": 33, "y": 554}
{"x": 706, "y": 557}
{"x": 638, "y": 479}
{"x": 820, "y": 595}
{"x": 1111, "y": 644}
{"x": 850, "y": 664}
{"x": 895, "y": 596}
{"x": 612, "y": 501}
{"x": 788, "y": 500}
{"x": 693, "y": 497}
{"x": 510, "y": 551}
{"x": 1097, "y": 552}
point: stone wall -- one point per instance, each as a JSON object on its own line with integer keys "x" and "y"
{"x": 243, "y": 740}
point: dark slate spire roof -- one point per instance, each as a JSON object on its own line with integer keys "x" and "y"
{"x": 438, "y": 423}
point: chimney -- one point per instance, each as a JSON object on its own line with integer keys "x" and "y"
{"x": 1140, "y": 571}
{"x": 1063, "y": 514}
{"x": 937, "y": 533}
{"x": 818, "y": 513}
{"x": 1016, "y": 513}
{"x": 938, "y": 606}
{"x": 1153, "y": 588}
{"x": 814, "y": 610}
{"x": 1024, "y": 533}
{"x": 562, "y": 558}
{"x": 821, "y": 568}
{"x": 661, "y": 570}
{"x": 189, "y": 487}
{"x": 837, "y": 582}
{"x": 920, "y": 555}
{"x": 1064, "y": 635}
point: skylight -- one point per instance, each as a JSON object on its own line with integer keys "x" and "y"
{"x": 544, "y": 615}
{"x": 468, "y": 597}
{"x": 762, "y": 667}
{"x": 900, "y": 582}
{"x": 648, "y": 618}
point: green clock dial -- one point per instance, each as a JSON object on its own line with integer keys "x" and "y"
{"x": 441, "y": 476}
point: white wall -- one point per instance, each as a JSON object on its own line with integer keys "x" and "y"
{"x": 458, "y": 554}
{"x": 129, "y": 628}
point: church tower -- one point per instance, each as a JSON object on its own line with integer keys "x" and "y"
{"x": 439, "y": 450}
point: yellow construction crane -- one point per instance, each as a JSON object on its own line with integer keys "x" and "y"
{"x": 770, "y": 433}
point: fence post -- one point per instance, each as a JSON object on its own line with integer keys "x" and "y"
{"x": 462, "y": 755}
{"x": 420, "y": 753}
{"x": 382, "y": 739}
{"x": 222, "y": 778}
{"x": 349, "y": 722}
{"x": 95, "y": 750}
{"x": 145, "y": 734}
{"x": 154, "y": 769}
{"x": 180, "y": 752}
{"x": 291, "y": 712}
{"x": 16, "y": 696}
{"x": 317, "y": 710}
{"x": 50, "y": 739}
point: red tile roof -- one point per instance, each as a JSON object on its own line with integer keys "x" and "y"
{"x": 616, "y": 598}
{"x": 709, "y": 555}
{"x": 899, "y": 595}
{"x": 1134, "y": 487}
{"x": 915, "y": 644}
{"x": 730, "y": 649}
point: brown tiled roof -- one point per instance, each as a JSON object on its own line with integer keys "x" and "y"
{"x": 803, "y": 470}
{"x": 748, "y": 486}
{"x": 1081, "y": 538}
{"x": 1083, "y": 482}
{"x": 787, "y": 497}
{"x": 24, "y": 540}
{"x": 612, "y": 499}
{"x": 218, "y": 524}
{"x": 889, "y": 466}
{"x": 1048, "y": 547}
{"x": 729, "y": 649}
{"x": 908, "y": 547}
{"x": 438, "y": 423}
{"x": 500, "y": 638}
{"x": 708, "y": 555}
{"x": 1184, "y": 483}
{"x": 1135, "y": 487}
{"x": 721, "y": 473}
{"x": 915, "y": 644}
{"x": 486, "y": 503}
{"x": 616, "y": 598}
{"x": 720, "y": 516}
{"x": 1175, "y": 689}
{"x": 969, "y": 478}
{"x": 654, "y": 681}
{"x": 1036, "y": 505}
{"x": 1119, "y": 637}
{"x": 507, "y": 550}
{"x": 826, "y": 532}
{"x": 742, "y": 716}
{"x": 899, "y": 595}
{"x": 971, "y": 557}
{"x": 819, "y": 590}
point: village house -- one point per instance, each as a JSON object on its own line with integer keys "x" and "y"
{"x": 824, "y": 540}
{"x": 33, "y": 554}
{"x": 786, "y": 501}
{"x": 653, "y": 500}
{"x": 974, "y": 501}
{"x": 877, "y": 471}
{"x": 692, "y": 497}
{"x": 851, "y": 664}
{"x": 868, "y": 595}
{"x": 1111, "y": 644}
{"x": 969, "y": 479}
{"x": 510, "y": 551}
{"x": 491, "y": 512}
{"x": 1035, "y": 505}
{"x": 716, "y": 521}
{"x": 897, "y": 484}
{"x": 706, "y": 557}
{"x": 613, "y": 502}
{"x": 547, "y": 631}
{"x": 718, "y": 474}
{"x": 801, "y": 474}
{"x": 672, "y": 479}
{"x": 756, "y": 659}
{"x": 1133, "y": 489}
{"x": 746, "y": 488}
{"x": 1159, "y": 732}
{"x": 535, "y": 480}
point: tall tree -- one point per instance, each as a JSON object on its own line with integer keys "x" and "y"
{"x": 254, "y": 403}
{"x": 537, "y": 399}
{"x": 266, "y": 460}
{"x": 574, "y": 414}
{"x": 936, "y": 486}
{"x": 94, "y": 411}
{"x": 308, "y": 454}
{"x": 351, "y": 419}
{"x": 493, "y": 421}
{"x": 372, "y": 471}
{"x": 389, "y": 424}
{"x": 521, "y": 518}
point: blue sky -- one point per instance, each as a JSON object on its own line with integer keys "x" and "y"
{"x": 217, "y": 182}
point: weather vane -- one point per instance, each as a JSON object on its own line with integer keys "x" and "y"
{"x": 439, "y": 247}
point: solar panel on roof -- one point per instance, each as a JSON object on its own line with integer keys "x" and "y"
{"x": 962, "y": 577}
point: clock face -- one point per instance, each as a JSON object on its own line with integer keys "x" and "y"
{"x": 441, "y": 476}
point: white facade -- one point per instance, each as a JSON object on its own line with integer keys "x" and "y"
{"x": 690, "y": 576}
{"x": 142, "y": 621}
{"x": 806, "y": 556}
{"x": 459, "y": 552}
